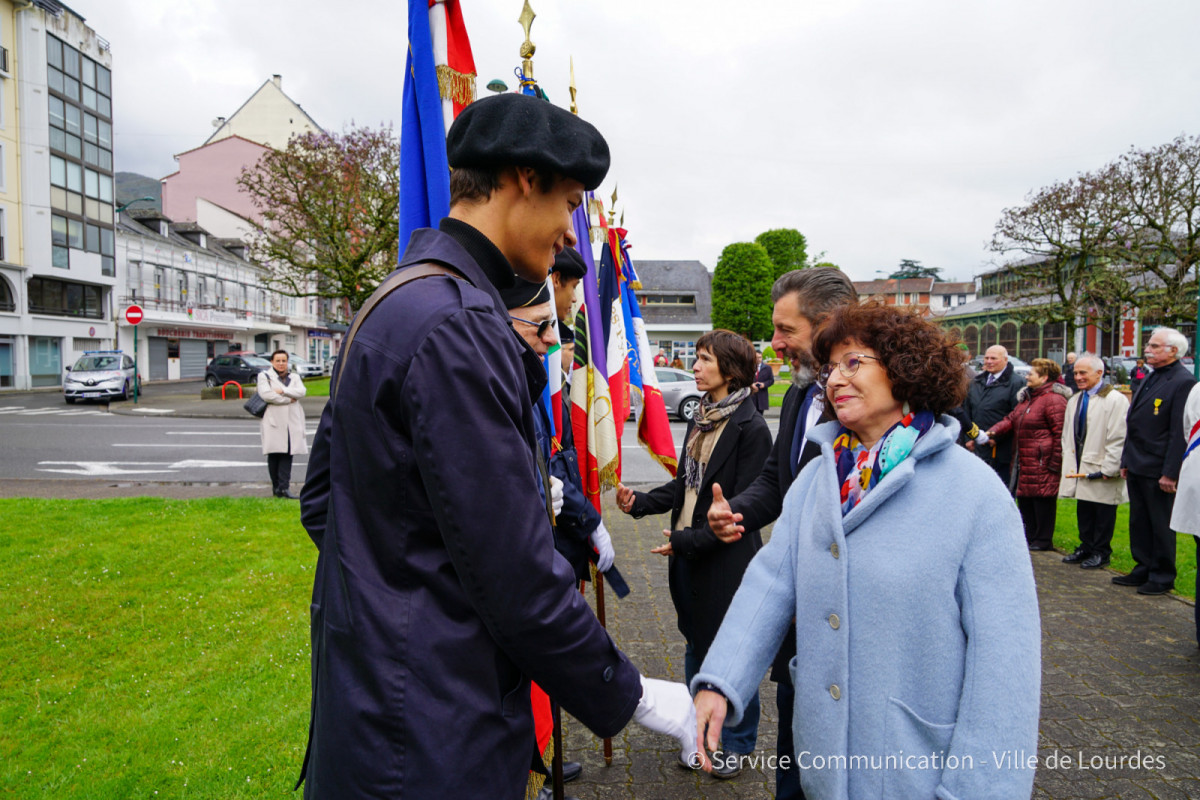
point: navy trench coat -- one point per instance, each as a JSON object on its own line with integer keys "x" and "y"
{"x": 438, "y": 594}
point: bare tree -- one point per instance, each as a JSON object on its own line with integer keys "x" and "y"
{"x": 328, "y": 206}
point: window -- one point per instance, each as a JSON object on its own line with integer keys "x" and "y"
{"x": 65, "y": 299}
{"x": 7, "y": 301}
{"x": 962, "y": 298}
{"x": 81, "y": 183}
{"x": 946, "y": 300}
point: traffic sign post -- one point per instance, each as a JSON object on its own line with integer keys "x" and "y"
{"x": 134, "y": 315}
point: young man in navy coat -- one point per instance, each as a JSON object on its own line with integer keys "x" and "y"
{"x": 438, "y": 594}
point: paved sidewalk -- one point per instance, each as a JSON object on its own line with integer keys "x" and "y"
{"x": 1121, "y": 676}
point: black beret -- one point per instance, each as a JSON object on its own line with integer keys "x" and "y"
{"x": 516, "y": 130}
{"x": 569, "y": 264}
{"x": 525, "y": 293}
{"x": 566, "y": 334}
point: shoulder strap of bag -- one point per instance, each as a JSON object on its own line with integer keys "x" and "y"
{"x": 426, "y": 270}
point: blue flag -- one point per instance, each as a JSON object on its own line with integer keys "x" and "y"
{"x": 424, "y": 170}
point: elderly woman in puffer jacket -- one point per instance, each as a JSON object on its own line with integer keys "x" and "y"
{"x": 1036, "y": 426}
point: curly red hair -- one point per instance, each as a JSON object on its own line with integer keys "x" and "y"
{"x": 924, "y": 364}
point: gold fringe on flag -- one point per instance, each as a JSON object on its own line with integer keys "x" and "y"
{"x": 536, "y": 780}
{"x": 455, "y": 85}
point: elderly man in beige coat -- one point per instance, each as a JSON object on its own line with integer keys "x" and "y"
{"x": 1092, "y": 440}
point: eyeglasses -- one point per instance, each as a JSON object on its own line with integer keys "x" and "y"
{"x": 848, "y": 366}
{"x": 542, "y": 326}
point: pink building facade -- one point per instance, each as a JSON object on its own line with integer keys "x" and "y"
{"x": 211, "y": 172}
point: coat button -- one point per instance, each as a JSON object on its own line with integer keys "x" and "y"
{"x": 835, "y": 692}
{"x": 833, "y": 549}
{"x": 608, "y": 674}
{"x": 834, "y": 622}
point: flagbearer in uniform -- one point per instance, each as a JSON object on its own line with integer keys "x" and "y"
{"x": 438, "y": 594}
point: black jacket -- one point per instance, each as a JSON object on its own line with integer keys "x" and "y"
{"x": 704, "y": 573}
{"x": 1155, "y": 438}
{"x": 438, "y": 594}
{"x": 987, "y": 405}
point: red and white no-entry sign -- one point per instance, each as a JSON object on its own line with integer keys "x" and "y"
{"x": 133, "y": 315}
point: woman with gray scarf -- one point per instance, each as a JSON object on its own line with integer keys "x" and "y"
{"x": 727, "y": 442}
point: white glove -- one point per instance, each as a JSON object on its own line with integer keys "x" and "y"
{"x": 982, "y": 439}
{"x": 604, "y": 548}
{"x": 666, "y": 707}
{"x": 556, "y": 495}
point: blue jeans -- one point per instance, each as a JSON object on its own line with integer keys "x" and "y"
{"x": 740, "y": 738}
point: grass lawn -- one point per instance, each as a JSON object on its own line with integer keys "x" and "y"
{"x": 154, "y": 648}
{"x": 317, "y": 387}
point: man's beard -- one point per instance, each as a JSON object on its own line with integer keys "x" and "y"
{"x": 804, "y": 370}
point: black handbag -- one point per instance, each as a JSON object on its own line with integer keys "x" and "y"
{"x": 256, "y": 405}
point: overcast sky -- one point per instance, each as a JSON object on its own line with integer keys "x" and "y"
{"x": 881, "y": 130}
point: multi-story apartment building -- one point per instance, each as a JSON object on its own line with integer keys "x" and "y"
{"x": 199, "y": 294}
{"x": 56, "y": 193}
{"x": 12, "y": 273}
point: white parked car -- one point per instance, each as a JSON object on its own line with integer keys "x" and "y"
{"x": 100, "y": 375}
{"x": 303, "y": 367}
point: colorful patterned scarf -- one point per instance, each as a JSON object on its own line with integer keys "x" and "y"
{"x": 859, "y": 469}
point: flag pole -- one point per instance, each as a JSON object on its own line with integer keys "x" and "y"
{"x": 597, "y": 575}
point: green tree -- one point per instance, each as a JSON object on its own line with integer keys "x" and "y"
{"x": 786, "y": 247}
{"x": 741, "y": 290}
{"x": 328, "y": 206}
{"x": 910, "y": 268}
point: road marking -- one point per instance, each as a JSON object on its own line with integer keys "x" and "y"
{"x": 100, "y": 468}
{"x": 35, "y": 412}
{"x": 153, "y": 410}
{"x": 190, "y": 446}
{"x": 10, "y": 409}
{"x": 211, "y": 433}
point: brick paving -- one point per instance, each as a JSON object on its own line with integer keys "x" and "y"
{"x": 1120, "y": 678}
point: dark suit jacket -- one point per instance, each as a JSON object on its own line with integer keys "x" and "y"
{"x": 765, "y": 376}
{"x": 704, "y": 573}
{"x": 1155, "y": 438}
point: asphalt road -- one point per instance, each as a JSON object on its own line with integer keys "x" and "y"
{"x": 44, "y": 439}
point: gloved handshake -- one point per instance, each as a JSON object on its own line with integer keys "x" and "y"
{"x": 666, "y": 707}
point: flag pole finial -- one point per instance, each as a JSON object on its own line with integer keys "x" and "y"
{"x": 612, "y": 211}
{"x": 574, "y": 106}
{"x": 528, "y": 48}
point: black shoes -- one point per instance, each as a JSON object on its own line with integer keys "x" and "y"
{"x": 1128, "y": 580}
{"x": 1079, "y": 555}
{"x": 571, "y": 770}
{"x": 1150, "y": 587}
{"x": 1037, "y": 548}
{"x": 1094, "y": 561}
{"x": 286, "y": 495}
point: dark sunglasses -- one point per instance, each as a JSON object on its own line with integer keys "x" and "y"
{"x": 542, "y": 326}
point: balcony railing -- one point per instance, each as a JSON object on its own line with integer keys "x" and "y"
{"x": 178, "y": 306}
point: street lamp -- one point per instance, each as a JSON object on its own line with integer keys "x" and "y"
{"x": 498, "y": 86}
{"x": 137, "y": 200}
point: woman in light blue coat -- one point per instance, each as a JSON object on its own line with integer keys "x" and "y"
{"x": 901, "y": 559}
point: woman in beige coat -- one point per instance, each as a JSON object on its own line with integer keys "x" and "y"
{"x": 1091, "y": 461}
{"x": 283, "y": 423}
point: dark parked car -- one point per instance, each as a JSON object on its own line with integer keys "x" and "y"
{"x": 234, "y": 367}
{"x": 679, "y": 391}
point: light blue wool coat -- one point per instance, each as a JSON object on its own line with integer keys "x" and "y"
{"x": 919, "y": 666}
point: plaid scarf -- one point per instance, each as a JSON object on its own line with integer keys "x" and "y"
{"x": 700, "y": 444}
{"x": 859, "y": 469}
